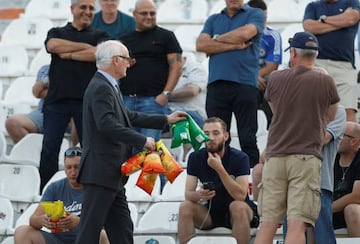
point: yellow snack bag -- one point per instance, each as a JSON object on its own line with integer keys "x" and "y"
{"x": 55, "y": 210}
{"x": 172, "y": 168}
{"x": 152, "y": 164}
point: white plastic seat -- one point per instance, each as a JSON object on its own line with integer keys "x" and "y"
{"x": 20, "y": 184}
{"x": 187, "y": 35}
{"x": 13, "y": 62}
{"x": 41, "y": 58}
{"x": 127, "y": 6}
{"x": 133, "y": 213}
{"x": 212, "y": 240}
{"x": 174, "y": 191}
{"x": 27, "y": 151}
{"x": 139, "y": 197}
{"x": 57, "y": 176}
{"x": 56, "y": 10}
{"x": 30, "y": 32}
{"x": 6, "y": 216}
{"x": 8, "y": 240}
{"x": 161, "y": 217}
{"x": 141, "y": 239}
{"x": 182, "y": 11}
{"x": 20, "y": 91}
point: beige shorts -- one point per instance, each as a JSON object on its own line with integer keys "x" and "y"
{"x": 290, "y": 187}
{"x": 345, "y": 77}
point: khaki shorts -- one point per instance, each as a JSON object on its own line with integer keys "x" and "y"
{"x": 345, "y": 77}
{"x": 290, "y": 187}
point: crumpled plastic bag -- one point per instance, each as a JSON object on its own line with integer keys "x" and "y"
{"x": 55, "y": 210}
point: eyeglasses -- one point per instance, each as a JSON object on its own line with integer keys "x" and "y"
{"x": 290, "y": 40}
{"x": 127, "y": 58}
{"x": 146, "y": 13}
{"x": 84, "y": 7}
{"x": 73, "y": 152}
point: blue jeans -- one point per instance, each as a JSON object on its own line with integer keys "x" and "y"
{"x": 323, "y": 230}
{"x": 146, "y": 105}
{"x": 56, "y": 120}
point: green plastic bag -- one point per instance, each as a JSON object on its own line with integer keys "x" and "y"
{"x": 180, "y": 133}
{"x": 197, "y": 135}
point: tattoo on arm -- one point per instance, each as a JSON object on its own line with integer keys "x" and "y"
{"x": 177, "y": 58}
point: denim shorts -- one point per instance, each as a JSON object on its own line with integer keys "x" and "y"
{"x": 36, "y": 117}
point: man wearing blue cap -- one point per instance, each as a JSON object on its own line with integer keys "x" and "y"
{"x": 303, "y": 101}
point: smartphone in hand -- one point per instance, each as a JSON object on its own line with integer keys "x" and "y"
{"x": 209, "y": 185}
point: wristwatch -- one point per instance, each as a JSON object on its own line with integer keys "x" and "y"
{"x": 167, "y": 94}
{"x": 322, "y": 18}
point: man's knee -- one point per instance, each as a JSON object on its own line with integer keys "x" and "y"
{"x": 352, "y": 213}
{"x": 240, "y": 210}
{"x": 187, "y": 209}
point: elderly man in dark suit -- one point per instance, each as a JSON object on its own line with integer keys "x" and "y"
{"x": 108, "y": 140}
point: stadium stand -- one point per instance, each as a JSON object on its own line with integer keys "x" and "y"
{"x": 6, "y": 217}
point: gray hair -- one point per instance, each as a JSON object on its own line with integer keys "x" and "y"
{"x": 106, "y": 50}
{"x": 306, "y": 53}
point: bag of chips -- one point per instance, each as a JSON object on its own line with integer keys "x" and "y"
{"x": 134, "y": 163}
{"x": 180, "y": 133}
{"x": 146, "y": 181}
{"x": 152, "y": 163}
{"x": 172, "y": 168}
{"x": 196, "y": 133}
{"x": 55, "y": 210}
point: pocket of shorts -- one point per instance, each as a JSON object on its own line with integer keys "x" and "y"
{"x": 260, "y": 198}
{"x": 311, "y": 202}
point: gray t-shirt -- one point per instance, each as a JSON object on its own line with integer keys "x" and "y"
{"x": 72, "y": 198}
{"x": 336, "y": 128}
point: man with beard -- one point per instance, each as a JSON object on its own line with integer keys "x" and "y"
{"x": 223, "y": 200}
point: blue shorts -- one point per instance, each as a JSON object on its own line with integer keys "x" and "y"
{"x": 36, "y": 117}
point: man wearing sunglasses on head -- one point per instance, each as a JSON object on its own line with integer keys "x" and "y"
{"x": 66, "y": 190}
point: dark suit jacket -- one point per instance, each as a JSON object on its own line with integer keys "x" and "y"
{"x": 108, "y": 138}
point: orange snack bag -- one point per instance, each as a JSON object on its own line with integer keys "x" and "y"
{"x": 133, "y": 164}
{"x": 152, "y": 164}
{"x": 172, "y": 168}
{"x": 146, "y": 181}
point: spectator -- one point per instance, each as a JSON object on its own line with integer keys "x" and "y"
{"x": 108, "y": 142}
{"x": 346, "y": 205}
{"x": 19, "y": 125}
{"x": 66, "y": 190}
{"x": 227, "y": 204}
{"x": 335, "y": 24}
{"x": 232, "y": 39}
{"x": 189, "y": 93}
{"x": 113, "y": 21}
{"x": 291, "y": 177}
{"x": 72, "y": 49}
{"x": 270, "y": 57}
{"x": 157, "y": 67}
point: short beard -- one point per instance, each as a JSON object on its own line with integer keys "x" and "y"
{"x": 217, "y": 149}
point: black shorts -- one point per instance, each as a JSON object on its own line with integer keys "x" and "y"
{"x": 339, "y": 220}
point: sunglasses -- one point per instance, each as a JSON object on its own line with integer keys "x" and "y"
{"x": 146, "y": 13}
{"x": 73, "y": 152}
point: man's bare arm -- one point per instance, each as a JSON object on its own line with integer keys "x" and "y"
{"x": 239, "y": 35}
{"x": 59, "y": 46}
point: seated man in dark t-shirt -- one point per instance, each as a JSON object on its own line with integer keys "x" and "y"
{"x": 346, "y": 207}
{"x": 223, "y": 171}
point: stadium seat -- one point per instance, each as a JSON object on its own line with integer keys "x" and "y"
{"x": 127, "y": 6}
{"x": 20, "y": 184}
{"x": 57, "y": 176}
{"x": 13, "y": 62}
{"x": 182, "y": 11}
{"x": 27, "y": 151}
{"x": 139, "y": 197}
{"x": 8, "y": 240}
{"x": 160, "y": 218}
{"x": 212, "y": 240}
{"x": 187, "y": 35}
{"x": 41, "y": 58}
{"x": 6, "y": 217}
{"x": 56, "y": 10}
{"x": 133, "y": 213}
{"x": 30, "y": 32}
{"x": 20, "y": 92}
{"x": 174, "y": 191}
{"x": 141, "y": 239}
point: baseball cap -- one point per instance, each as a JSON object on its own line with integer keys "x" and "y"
{"x": 303, "y": 40}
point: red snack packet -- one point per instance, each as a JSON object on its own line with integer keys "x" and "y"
{"x": 152, "y": 164}
{"x": 133, "y": 164}
{"x": 146, "y": 181}
{"x": 172, "y": 168}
